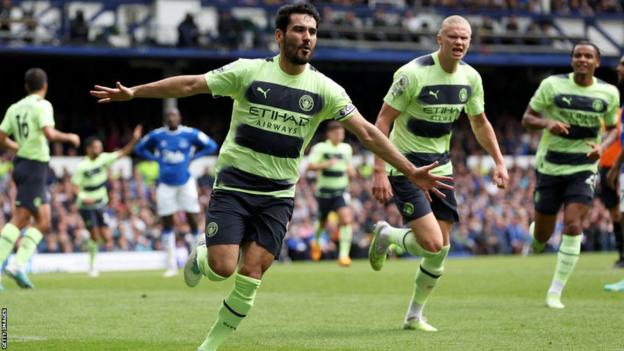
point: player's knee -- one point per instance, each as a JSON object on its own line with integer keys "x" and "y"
{"x": 224, "y": 269}
{"x": 573, "y": 227}
{"x": 432, "y": 245}
{"x": 43, "y": 225}
{"x": 254, "y": 272}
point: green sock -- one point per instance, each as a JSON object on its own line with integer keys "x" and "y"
{"x": 569, "y": 252}
{"x": 431, "y": 268}
{"x": 8, "y": 236}
{"x": 318, "y": 230}
{"x": 404, "y": 238}
{"x": 346, "y": 235}
{"x": 235, "y": 307}
{"x": 28, "y": 246}
{"x": 92, "y": 248}
{"x": 204, "y": 267}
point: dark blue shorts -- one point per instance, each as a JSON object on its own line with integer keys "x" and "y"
{"x": 235, "y": 217}
{"x": 413, "y": 204}
{"x": 551, "y": 192}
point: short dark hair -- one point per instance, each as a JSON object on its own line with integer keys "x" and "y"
{"x": 34, "y": 79}
{"x": 90, "y": 141}
{"x": 282, "y": 19}
{"x": 586, "y": 42}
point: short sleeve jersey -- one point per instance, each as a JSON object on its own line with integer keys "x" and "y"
{"x": 334, "y": 180}
{"x": 585, "y": 109}
{"x": 274, "y": 116}
{"x": 91, "y": 177}
{"x": 430, "y": 101}
{"x": 25, "y": 120}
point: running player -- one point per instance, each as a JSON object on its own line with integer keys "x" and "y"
{"x": 570, "y": 109}
{"x": 613, "y": 177}
{"x": 332, "y": 159}
{"x": 89, "y": 181}
{"x": 31, "y": 122}
{"x": 278, "y": 104}
{"x": 174, "y": 147}
{"x": 427, "y": 96}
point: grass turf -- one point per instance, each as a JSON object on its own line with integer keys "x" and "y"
{"x": 490, "y": 303}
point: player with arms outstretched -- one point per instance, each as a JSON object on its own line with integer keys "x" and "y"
{"x": 332, "y": 161}
{"x": 31, "y": 122}
{"x": 174, "y": 146}
{"x": 278, "y": 104}
{"x": 570, "y": 109}
{"x": 89, "y": 180}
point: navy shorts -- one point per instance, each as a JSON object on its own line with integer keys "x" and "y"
{"x": 551, "y": 192}
{"x": 233, "y": 218}
{"x": 30, "y": 179}
{"x": 413, "y": 204}
{"x": 94, "y": 218}
{"x": 604, "y": 192}
{"x": 328, "y": 204}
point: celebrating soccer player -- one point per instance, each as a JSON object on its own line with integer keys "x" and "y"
{"x": 90, "y": 180}
{"x": 427, "y": 96}
{"x": 570, "y": 109}
{"x": 174, "y": 147}
{"x": 278, "y": 104}
{"x": 31, "y": 123}
{"x": 332, "y": 160}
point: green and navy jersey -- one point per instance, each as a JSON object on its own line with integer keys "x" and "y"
{"x": 25, "y": 120}
{"x": 585, "y": 109}
{"x": 334, "y": 180}
{"x": 91, "y": 177}
{"x": 274, "y": 116}
{"x": 430, "y": 101}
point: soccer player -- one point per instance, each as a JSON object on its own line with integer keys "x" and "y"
{"x": 332, "y": 159}
{"x": 90, "y": 180}
{"x": 31, "y": 122}
{"x": 174, "y": 147}
{"x": 570, "y": 109}
{"x": 613, "y": 180}
{"x": 278, "y": 104}
{"x": 427, "y": 96}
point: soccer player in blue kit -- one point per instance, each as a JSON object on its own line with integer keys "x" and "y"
{"x": 174, "y": 146}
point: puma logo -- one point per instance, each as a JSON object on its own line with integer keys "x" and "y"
{"x": 567, "y": 100}
{"x": 264, "y": 92}
{"x": 434, "y": 93}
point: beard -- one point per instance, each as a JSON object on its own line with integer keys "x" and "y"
{"x": 291, "y": 53}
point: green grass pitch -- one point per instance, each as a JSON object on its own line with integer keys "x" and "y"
{"x": 491, "y": 303}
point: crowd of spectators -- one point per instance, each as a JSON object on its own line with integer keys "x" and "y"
{"x": 389, "y": 20}
{"x": 493, "y": 221}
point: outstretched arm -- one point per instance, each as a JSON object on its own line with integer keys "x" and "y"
{"x": 53, "y": 134}
{"x": 376, "y": 142}
{"x": 136, "y": 136}
{"x": 173, "y": 87}
{"x": 486, "y": 137}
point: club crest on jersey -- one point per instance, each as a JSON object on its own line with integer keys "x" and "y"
{"x": 183, "y": 144}
{"x": 463, "y": 95}
{"x": 597, "y": 105}
{"x": 306, "y": 103}
{"x": 211, "y": 229}
{"x": 408, "y": 209}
